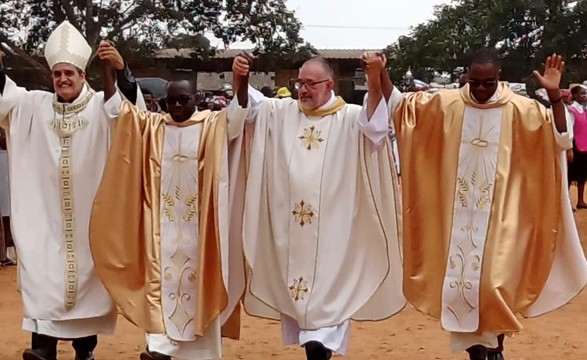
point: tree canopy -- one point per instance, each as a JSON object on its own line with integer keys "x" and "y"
{"x": 523, "y": 31}
{"x": 146, "y": 25}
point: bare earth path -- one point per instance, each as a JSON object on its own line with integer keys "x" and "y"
{"x": 407, "y": 336}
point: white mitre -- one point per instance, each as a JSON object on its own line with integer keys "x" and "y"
{"x": 67, "y": 45}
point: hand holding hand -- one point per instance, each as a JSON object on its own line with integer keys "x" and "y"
{"x": 374, "y": 63}
{"x": 109, "y": 55}
{"x": 242, "y": 64}
{"x": 240, "y": 70}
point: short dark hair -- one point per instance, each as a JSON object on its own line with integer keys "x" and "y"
{"x": 577, "y": 89}
{"x": 486, "y": 56}
{"x": 191, "y": 82}
{"x": 325, "y": 65}
{"x": 146, "y": 92}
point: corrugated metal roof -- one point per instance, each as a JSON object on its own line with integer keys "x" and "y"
{"x": 231, "y": 53}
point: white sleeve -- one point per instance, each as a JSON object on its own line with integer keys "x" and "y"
{"x": 113, "y": 105}
{"x": 237, "y": 115}
{"x": 376, "y": 128}
{"x": 11, "y": 97}
{"x": 564, "y": 141}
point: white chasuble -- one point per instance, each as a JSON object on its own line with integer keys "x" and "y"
{"x": 306, "y": 167}
{"x": 57, "y": 155}
{"x": 179, "y": 229}
{"x": 179, "y": 247}
{"x": 320, "y": 227}
{"x": 476, "y": 173}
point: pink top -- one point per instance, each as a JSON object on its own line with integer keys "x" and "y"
{"x": 580, "y": 128}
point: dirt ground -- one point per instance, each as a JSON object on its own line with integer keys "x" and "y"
{"x": 406, "y": 336}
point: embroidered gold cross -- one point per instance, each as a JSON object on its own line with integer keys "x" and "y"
{"x": 303, "y": 213}
{"x": 299, "y": 289}
{"x": 311, "y": 138}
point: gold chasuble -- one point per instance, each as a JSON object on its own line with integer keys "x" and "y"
{"x": 126, "y": 230}
{"x": 482, "y": 201}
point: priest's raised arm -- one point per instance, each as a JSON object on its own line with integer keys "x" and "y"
{"x": 313, "y": 101}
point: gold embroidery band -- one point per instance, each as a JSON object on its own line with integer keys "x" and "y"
{"x": 65, "y": 127}
{"x": 65, "y": 109}
{"x": 68, "y": 223}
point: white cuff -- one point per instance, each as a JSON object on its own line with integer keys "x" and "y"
{"x": 237, "y": 116}
{"x": 377, "y": 128}
{"x": 112, "y": 106}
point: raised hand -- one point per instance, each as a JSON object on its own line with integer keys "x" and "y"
{"x": 242, "y": 64}
{"x": 374, "y": 64}
{"x": 109, "y": 55}
{"x": 553, "y": 72}
{"x": 240, "y": 70}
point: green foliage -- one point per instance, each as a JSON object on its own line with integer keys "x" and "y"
{"x": 139, "y": 27}
{"x": 525, "y": 32}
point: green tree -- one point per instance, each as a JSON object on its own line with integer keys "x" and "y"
{"x": 147, "y": 25}
{"x": 523, "y": 31}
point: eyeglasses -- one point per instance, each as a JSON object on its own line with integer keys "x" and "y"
{"x": 181, "y": 99}
{"x": 484, "y": 83}
{"x": 309, "y": 84}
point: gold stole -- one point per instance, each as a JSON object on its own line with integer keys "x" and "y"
{"x": 125, "y": 233}
{"x": 525, "y": 212}
{"x": 339, "y": 104}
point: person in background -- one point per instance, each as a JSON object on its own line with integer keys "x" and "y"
{"x": 578, "y": 165}
{"x": 150, "y": 101}
{"x": 268, "y": 91}
{"x": 283, "y": 93}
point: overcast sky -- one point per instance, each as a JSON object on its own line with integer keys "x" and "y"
{"x": 358, "y": 24}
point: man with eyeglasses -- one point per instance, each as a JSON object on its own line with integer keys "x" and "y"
{"x": 488, "y": 233}
{"x": 320, "y": 212}
{"x": 160, "y": 225}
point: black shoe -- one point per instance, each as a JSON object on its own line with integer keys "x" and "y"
{"x": 84, "y": 356}
{"x": 152, "y": 355}
{"x": 315, "y": 350}
{"x": 38, "y": 354}
{"x": 477, "y": 352}
{"x": 495, "y": 356}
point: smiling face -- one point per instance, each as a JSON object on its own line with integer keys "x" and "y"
{"x": 580, "y": 95}
{"x": 314, "y": 85}
{"x": 68, "y": 81}
{"x": 181, "y": 100}
{"x": 483, "y": 80}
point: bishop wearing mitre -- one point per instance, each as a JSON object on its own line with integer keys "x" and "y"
{"x": 57, "y": 145}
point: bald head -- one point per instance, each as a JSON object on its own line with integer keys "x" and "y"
{"x": 182, "y": 85}
{"x": 321, "y": 63}
{"x": 315, "y": 83}
{"x": 181, "y": 99}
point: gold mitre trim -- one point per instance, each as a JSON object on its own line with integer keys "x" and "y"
{"x": 67, "y": 45}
